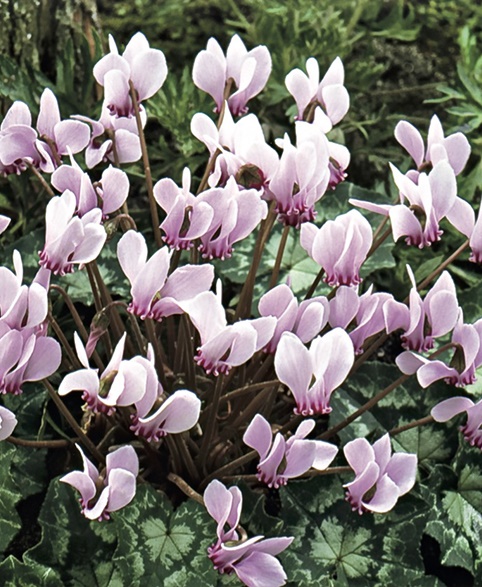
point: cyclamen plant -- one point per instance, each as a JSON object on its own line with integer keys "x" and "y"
{"x": 183, "y": 382}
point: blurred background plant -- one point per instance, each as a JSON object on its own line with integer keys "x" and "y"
{"x": 404, "y": 59}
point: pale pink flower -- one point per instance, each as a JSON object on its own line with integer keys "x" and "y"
{"x": 280, "y": 459}
{"x": 449, "y": 408}
{"x": 381, "y": 478}
{"x": 247, "y": 70}
{"x": 329, "y": 93}
{"x": 340, "y": 246}
{"x": 117, "y": 484}
{"x": 154, "y": 294}
{"x": 253, "y": 560}
{"x": 69, "y": 239}
{"x": 312, "y": 375}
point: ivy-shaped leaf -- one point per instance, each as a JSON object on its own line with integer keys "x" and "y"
{"x": 159, "y": 546}
{"x": 80, "y": 551}
{"x": 17, "y": 574}
{"x": 333, "y": 543}
{"x": 9, "y": 497}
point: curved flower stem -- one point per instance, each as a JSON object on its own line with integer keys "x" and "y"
{"x": 383, "y": 336}
{"x": 41, "y": 179}
{"x": 365, "y": 407}
{"x": 207, "y": 171}
{"x": 84, "y": 439}
{"x": 414, "y": 424}
{"x": 279, "y": 256}
{"x": 41, "y": 443}
{"x": 211, "y": 423}
{"x": 251, "y": 409}
{"x": 379, "y": 241}
{"x": 147, "y": 169}
{"x": 117, "y": 325}
{"x": 154, "y": 340}
{"x": 247, "y": 389}
{"x": 232, "y": 466}
{"x": 372, "y": 402}
{"x": 246, "y": 296}
{"x": 186, "y": 457}
{"x": 185, "y": 488}
{"x": 93, "y": 287}
{"x": 59, "y": 333}
{"x": 315, "y": 284}
{"x": 442, "y": 266}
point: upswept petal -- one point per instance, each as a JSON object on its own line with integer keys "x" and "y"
{"x": 49, "y": 114}
{"x": 402, "y": 470}
{"x": 124, "y": 457}
{"x": 122, "y": 488}
{"x": 260, "y": 569}
{"x": 333, "y": 356}
{"x": 449, "y": 408}
{"x": 411, "y": 140}
{"x": 359, "y": 454}
{"x": 299, "y": 87}
{"x": 258, "y": 436}
{"x": 462, "y": 216}
{"x": 324, "y": 454}
{"x": 188, "y": 281}
{"x": 180, "y": 412}
{"x": 385, "y": 498}
{"x": 209, "y": 75}
{"x": 132, "y": 254}
{"x": 148, "y": 72}
{"x": 299, "y": 458}
{"x": 336, "y": 100}
{"x": 71, "y": 134}
{"x": 293, "y": 365}
{"x": 82, "y": 380}
{"x": 458, "y": 151}
{"x": 44, "y": 360}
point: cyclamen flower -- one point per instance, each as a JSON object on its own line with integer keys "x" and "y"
{"x": 253, "y": 560}
{"x": 8, "y": 421}
{"x": 455, "y": 148}
{"x": 19, "y": 142}
{"x": 424, "y": 320}
{"x": 328, "y": 361}
{"x": 241, "y": 150}
{"x": 225, "y": 346}
{"x": 430, "y": 200}
{"x": 144, "y": 67}
{"x": 302, "y": 176}
{"x": 381, "y": 478}
{"x": 187, "y": 217}
{"x": 364, "y": 313}
{"x": 154, "y": 294}
{"x": 236, "y": 214}
{"x": 118, "y": 483}
{"x": 23, "y": 308}
{"x": 69, "y": 239}
{"x": 449, "y": 408}
{"x": 113, "y": 139}
{"x": 109, "y": 194}
{"x": 280, "y": 459}
{"x": 178, "y": 413}
{"x": 340, "y": 246}
{"x": 467, "y": 357}
{"x": 248, "y": 71}
{"x": 306, "y": 320}
{"x": 58, "y": 137}
{"x": 330, "y": 93}
{"x": 122, "y": 383}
